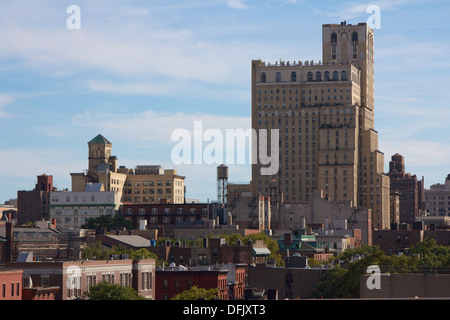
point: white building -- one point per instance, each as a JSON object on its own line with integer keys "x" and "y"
{"x": 72, "y": 209}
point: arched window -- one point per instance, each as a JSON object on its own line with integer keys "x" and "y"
{"x": 344, "y": 75}
{"x": 278, "y": 77}
{"x": 335, "y": 75}
{"x": 310, "y": 76}
{"x": 355, "y": 45}
{"x": 327, "y": 76}
{"x": 293, "y": 76}
{"x": 333, "y": 45}
{"x": 318, "y": 76}
{"x": 263, "y": 77}
{"x": 334, "y": 37}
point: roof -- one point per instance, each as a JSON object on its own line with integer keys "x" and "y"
{"x": 99, "y": 139}
{"x": 94, "y": 187}
{"x": 261, "y": 251}
{"x": 132, "y": 240}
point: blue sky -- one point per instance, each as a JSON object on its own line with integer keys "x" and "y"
{"x": 138, "y": 70}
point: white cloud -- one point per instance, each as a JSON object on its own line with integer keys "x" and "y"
{"x": 155, "y": 126}
{"x": 237, "y": 4}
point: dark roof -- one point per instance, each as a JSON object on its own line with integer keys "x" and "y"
{"x": 99, "y": 139}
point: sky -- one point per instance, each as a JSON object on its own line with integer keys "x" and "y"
{"x": 136, "y": 71}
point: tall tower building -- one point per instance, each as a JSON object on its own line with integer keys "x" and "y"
{"x": 409, "y": 189}
{"x": 324, "y": 112}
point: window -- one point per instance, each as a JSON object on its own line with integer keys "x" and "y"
{"x": 344, "y": 75}
{"x": 327, "y": 76}
{"x": 91, "y": 281}
{"x": 293, "y": 76}
{"x": 45, "y": 281}
{"x": 335, "y": 75}
{"x": 318, "y": 76}
{"x": 278, "y": 77}
{"x": 310, "y": 76}
{"x": 147, "y": 281}
{"x": 263, "y": 77}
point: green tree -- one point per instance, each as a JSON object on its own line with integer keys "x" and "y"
{"x": 196, "y": 293}
{"x": 107, "y": 222}
{"x": 96, "y": 252}
{"x": 135, "y": 254}
{"x": 429, "y": 253}
{"x": 271, "y": 244}
{"x": 107, "y": 291}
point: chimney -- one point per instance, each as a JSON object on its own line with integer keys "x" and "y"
{"x": 9, "y": 241}
{"x": 287, "y": 239}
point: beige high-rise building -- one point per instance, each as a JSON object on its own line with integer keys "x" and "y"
{"x": 324, "y": 112}
{"x": 143, "y": 184}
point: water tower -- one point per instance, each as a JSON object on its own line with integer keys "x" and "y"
{"x": 222, "y": 185}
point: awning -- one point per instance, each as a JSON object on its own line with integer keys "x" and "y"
{"x": 261, "y": 251}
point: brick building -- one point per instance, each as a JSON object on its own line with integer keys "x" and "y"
{"x": 34, "y": 205}
{"x": 172, "y": 281}
{"x": 45, "y": 242}
{"x": 284, "y": 283}
{"x": 10, "y": 284}
{"x": 214, "y": 251}
{"x": 75, "y": 277}
{"x": 410, "y": 190}
{"x": 407, "y": 286}
{"x": 166, "y": 214}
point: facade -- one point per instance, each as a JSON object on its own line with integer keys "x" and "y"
{"x": 406, "y": 286}
{"x": 325, "y": 116}
{"x": 394, "y": 242}
{"x": 287, "y": 283}
{"x": 10, "y": 284}
{"x": 43, "y": 243}
{"x": 144, "y": 184}
{"x": 250, "y": 211}
{"x": 328, "y": 214}
{"x": 102, "y": 168}
{"x": 214, "y": 251}
{"x": 35, "y": 205}
{"x": 409, "y": 189}
{"x": 166, "y": 214}
{"x": 172, "y": 281}
{"x": 75, "y": 277}
{"x": 437, "y": 199}
{"x": 72, "y": 209}
{"x": 151, "y": 184}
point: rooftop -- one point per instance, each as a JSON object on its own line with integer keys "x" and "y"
{"x": 99, "y": 139}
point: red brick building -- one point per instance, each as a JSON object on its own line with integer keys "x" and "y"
{"x": 40, "y": 293}
{"x": 34, "y": 205}
{"x": 173, "y": 281}
{"x": 10, "y": 284}
{"x": 164, "y": 214}
{"x": 75, "y": 277}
